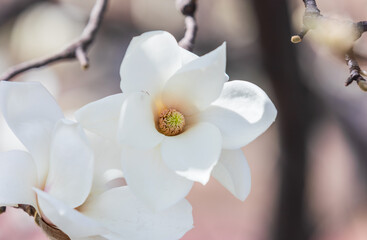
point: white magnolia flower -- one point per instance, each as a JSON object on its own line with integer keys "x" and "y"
{"x": 179, "y": 120}
{"x": 56, "y": 176}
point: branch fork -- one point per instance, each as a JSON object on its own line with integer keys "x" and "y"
{"x": 312, "y": 18}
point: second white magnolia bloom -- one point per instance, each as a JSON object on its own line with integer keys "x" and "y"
{"x": 58, "y": 178}
{"x": 178, "y": 120}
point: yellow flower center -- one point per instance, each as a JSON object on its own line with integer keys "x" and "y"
{"x": 171, "y": 122}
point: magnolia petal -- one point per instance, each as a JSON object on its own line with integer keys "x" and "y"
{"x": 71, "y": 165}
{"x": 120, "y": 211}
{"x": 102, "y": 116}
{"x": 70, "y": 221}
{"x": 198, "y": 83}
{"x": 193, "y": 153}
{"x": 107, "y": 163}
{"x": 233, "y": 172}
{"x": 31, "y": 112}
{"x": 187, "y": 56}
{"x": 151, "y": 180}
{"x": 242, "y": 113}
{"x": 18, "y": 177}
{"x": 150, "y": 60}
{"x": 137, "y": 125}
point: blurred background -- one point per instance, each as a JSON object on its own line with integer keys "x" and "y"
{"x": 309, "y": 170}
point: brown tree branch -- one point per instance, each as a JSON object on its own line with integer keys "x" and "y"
{"x": 188, "y": 8}
{"x": 355, "y": 72}
{"x": 77, "y": 50}
{"x": 310, "y": 17}
{"x": 311, "y": 7}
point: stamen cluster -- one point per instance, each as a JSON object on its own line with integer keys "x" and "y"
{"x": 171, "y": 122}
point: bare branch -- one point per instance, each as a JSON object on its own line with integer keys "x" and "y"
{"x": 311, "y": 12}
{"x": 77, "y": 50}
{"x": 188, "y": 8}
{"x": 311, "y": 7}
{"x": 310, "y": 21}
{"x": 355, "y": 72}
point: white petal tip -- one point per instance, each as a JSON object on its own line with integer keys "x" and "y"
{"x": 222, "y": 49}
{"x": 205, "y": 180}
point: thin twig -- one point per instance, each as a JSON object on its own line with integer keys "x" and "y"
{"x": 311, "y": 7}
{"x": 311, "y": 12}
{"x": 77, "y": 50}
{"x": 310, "y": 17}
{"x": 355, "y": 71}
{"x": 188, "y": 8}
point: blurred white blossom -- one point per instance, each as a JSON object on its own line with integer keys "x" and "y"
{"x": 178, "y": 119}
{"x": 338, "y": 35}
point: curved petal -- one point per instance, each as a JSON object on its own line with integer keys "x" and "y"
{"x": 198, "y": 83}
{"x": 187, "y": 56}
{"x": 137, "y": 125}
{"x": 233, "y": 172}
{"x": 242, "y": 113}
{"x": 150, "y": 179}
{"x": 67, "y": 219}
{"x": 71, "y": 165}
{"x": 31, "y": 112}
{"x": 120, "y": 211}
{"x": 17, "y": 178}
{"x": 107, "y": 162}
{"x": 193, "y": 153}
{"x": 150, "y": 60}
{"x": 102, "y": 116}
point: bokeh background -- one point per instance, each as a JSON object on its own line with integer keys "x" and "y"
{"x": 309, "y": 170}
